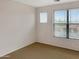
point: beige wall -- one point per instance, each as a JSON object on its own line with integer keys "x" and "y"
{"x": 17, "y": 26}
{"x": 45, "y": 31}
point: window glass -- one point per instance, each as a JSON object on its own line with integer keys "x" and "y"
{"x": 74, "y": 23}
{"x": 60, "y": 23}
{"x": 60, "y": 16}
{"x": 43, "y": 17}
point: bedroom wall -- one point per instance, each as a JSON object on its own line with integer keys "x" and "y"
{"x": 17, "y": 26}
{"x": 45, "y": 31}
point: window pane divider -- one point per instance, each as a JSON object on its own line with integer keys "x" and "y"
{"x": 67, "y": 26}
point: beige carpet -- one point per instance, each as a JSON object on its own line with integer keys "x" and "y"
{"x": 42, "y": 51}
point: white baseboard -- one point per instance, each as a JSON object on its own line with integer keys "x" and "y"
{"x": 58, "y": 46}
{"x": 15, "y": 49}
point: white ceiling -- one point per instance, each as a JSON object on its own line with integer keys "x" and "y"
{"x": 39, "y": 3}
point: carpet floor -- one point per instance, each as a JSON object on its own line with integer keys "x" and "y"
{"x": 42, "y": 51}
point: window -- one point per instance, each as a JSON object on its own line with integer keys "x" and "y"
{"x": 66, "y": 23}
{"x": 43, "y": 17}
